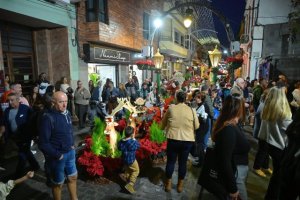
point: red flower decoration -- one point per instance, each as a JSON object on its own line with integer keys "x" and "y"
{"x": 145, "y": 62}
{"x": 92, "y": 163}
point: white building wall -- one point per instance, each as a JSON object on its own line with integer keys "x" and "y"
{"x": 273, "y": 11}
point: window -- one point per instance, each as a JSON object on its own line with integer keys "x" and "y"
{"x": 146, "y": 26}
{"x": 187, "y": 42}
{"x": 285, "y": 44}
{"x": 182, "y": 40}
{"x": 176, "y": 37}
{"x": 96, "y": 10}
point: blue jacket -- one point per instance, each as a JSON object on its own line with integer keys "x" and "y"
{"x": 56, "y": 135}
{"x": 128, "y": 146}
{"x": 22, "y": 119}
{"x": 96, "y": 94}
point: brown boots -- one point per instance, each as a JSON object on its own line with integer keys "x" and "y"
{"x": 180, "y": 185}
{"x": 168, "y": 185}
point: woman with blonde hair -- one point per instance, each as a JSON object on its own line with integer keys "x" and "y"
{"x": 276, "y": 116}
{"x": 122, "y": 90}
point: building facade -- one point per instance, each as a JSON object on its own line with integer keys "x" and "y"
{"x": 270, "y": 45}
{"x": 111, "y": 35}
{"x": 37, "y": 36}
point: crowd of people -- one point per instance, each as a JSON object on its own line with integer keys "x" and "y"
{"x": 209, "y": 115}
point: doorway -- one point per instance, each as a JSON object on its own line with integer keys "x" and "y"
{"x": 19, "y": 68}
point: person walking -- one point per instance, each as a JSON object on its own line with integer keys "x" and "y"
{"x": 180, "y": 122}
{"x": 231, "y": 149}
{"x": 56, "y": 141}
{"x": 128, "y": 146}
{"x": 276, "y": 116}
{"x": 81, "y": 100}
{"x": 16, "y": 122}
{"x": 202, "y": 111}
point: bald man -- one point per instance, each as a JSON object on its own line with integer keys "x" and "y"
{"x": 57, "y": 144}
{"x": 238, "y": 87}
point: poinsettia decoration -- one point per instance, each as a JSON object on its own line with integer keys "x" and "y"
{"x": 92, "y": 163}
{"x": 196, "y": 79}
{"x": 145, "y": 64}
{"x": 234, "y": 62}
{"x": 96, "y": 158}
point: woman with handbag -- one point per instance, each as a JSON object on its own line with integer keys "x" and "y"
{"x": 180, "y": 122}
{"x": 202, "y": 111}
{"x": 225, "y": 166}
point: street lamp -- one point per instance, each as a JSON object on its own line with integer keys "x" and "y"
{"x": 157, "y": 24}
{"x": 158, "y": 60}
{"x": 188, "y": 18}
{"x": 215, "y": 56}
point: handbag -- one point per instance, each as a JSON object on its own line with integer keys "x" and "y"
{"x": 195, "y": 148}
{"x": 209, "y": 177}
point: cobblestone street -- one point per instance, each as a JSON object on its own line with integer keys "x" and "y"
{"x": 149, "y": 184}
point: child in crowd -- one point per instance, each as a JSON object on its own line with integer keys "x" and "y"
{"x": 129, "y": 146}
{"x": 6, "y": 188}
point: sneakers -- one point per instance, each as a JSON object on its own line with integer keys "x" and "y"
{"x": 260, "y": 173}
{"x": 130, "y": 188}
{"x": 123, "y": 177}
{"x": 268, "y": 171}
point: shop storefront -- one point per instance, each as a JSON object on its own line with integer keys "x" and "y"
{"x": 113, "y": 63}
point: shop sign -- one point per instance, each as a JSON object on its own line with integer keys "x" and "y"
{"x": 110, "y": 55}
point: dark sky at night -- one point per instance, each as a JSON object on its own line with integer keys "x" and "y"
{"x": 234, "y": 11}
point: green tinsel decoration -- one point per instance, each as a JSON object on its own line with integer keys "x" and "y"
{"x": 100, "y": 145}
{"x": 118, "y": 153}
{"x": 95, "y": 78}
{"x": 156, "y": 134}
{"x": 127, "y": 114}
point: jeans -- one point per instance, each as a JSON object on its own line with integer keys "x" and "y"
{"x": 180, "y": 149}
{"x": 207, "y": 134}
{"x": 274, "y": 184}
{"x": 59, "y": 169}
{"x": 262, "y": 156}
{"x": 241, "y": 180}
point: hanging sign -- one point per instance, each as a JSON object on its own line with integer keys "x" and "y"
{"x": 110, "y": 55}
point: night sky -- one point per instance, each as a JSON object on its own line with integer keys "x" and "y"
{"x": 234, "y": 11}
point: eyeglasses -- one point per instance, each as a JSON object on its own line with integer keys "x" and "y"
{"x": 198, "y": 97}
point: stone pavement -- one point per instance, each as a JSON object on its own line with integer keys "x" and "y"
{"x": 149, "y": 184}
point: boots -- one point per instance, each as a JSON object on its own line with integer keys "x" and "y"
{"x": 168, "y": 185}
{"x": 180, "y": 185}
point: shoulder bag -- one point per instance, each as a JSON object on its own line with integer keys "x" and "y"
{"x": 209, "y": 177}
